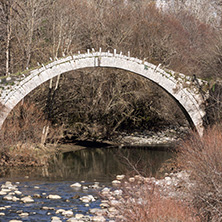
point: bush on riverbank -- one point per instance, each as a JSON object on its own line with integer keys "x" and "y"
{"x": 144, "y": 202}
{"x": 201, "y": 157}
{"x": 23, "y": 136}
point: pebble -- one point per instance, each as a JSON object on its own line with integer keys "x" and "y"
{"x": 54, "y": 197}
{"x": 73, "y": 219}
{"x": 76, "y": 185}
{"x": 24, "y": 215}
{"x": 120, "y": 177}
{"x": 116, "y": 182}
{"x": 8, "y": 197}
{"x": 2, "y": 193}
{"x": 15, "y": 221}
{"x": 55, "y": 219}
{"x": 59, "y": 211}
{"x": 98, "y": 218}
{"x": 67, "y": 213}
{"x": 87, "y": 199}
{"x": 2, "y": 214}
{"x": 17, "y": 192}
{"x": 79, "y": 216}
{"x": 131, "y": 179}
{"x": 27, "y": 199}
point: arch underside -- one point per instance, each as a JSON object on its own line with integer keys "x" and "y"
{"x": 188, "y": 100}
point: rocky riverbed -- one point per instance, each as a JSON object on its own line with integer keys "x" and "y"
{"x": 150, "y": 138}
{"x": 80, "y": 201}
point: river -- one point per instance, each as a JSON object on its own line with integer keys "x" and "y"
{"x": 93, "y": 168}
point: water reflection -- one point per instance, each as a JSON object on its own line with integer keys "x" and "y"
{"x": 100, "y": 164}
{"x": 103, "y": 164}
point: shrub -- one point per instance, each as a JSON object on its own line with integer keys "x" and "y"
{"x": 145, "y": 203}
{"x": 22, "y": 138}
{"x": 202, "y": 158}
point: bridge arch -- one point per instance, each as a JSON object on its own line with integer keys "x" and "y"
{"x": 179, "y": 86}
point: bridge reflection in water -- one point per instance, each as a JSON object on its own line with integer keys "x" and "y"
{"x": 100, "y": 164}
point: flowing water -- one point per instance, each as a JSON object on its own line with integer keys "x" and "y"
{"x": 88, "y": 167}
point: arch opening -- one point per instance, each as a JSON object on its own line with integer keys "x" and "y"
{"x": 189, "y": 101}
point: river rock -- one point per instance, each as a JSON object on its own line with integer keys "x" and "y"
{"x": 104, "y": 205}
{"x": 95, "y": 185}
{"x": 118, "y": 192}
{"x": 73, "y": 219}
{"x": 24, "y": 214}
{"x": 76, "y": 185}
{"x": 67, "y": 213}
{"x": 27, "y": 199}
{"x": 14, "y": 199}
{"x": 59, "y": 211}
{"x": 131, "y": 179}
{"x": 47, "y": 208}
{"x": 116, "y": 182}
{"x": 2, "y": 193}
{"x": 87, "y": 199}
{"x": 2, "y": 214}
{"x": 15, "y": 221}
{"x": 120, "y": 177}
{"x": 98, "y": 218}
{"x": 36, "y": 195}
{"x": 17, "y": 192}
{"x": 54, "y": 197}
{"x": 8, "y": 197}
{"x": 55, "y": 219}
{"x": 79, "y": 216}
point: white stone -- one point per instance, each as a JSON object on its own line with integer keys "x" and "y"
{"x": 131, "y": 179}
{"x": 15, "y": 221}
{"x": 2, "y": 214}
{"x": 120, "y": 177}
{"x": 14, "y": 199}
{"x": 8, "y": 198}
{"x": 118, "y": 192}
{"x": 79, "y": 216}
{"x": 27, "y": 199}
{"x": 2, "y": 193}
{"x": 17, "y": 192}
{"x": 114, "y": 202}
{"x": 67, "y": 213}
{"x": 87, "y": 199}
{"x": 116, "y": 182}
{"x": 73, "y": 219}
{"x": 54, "y": 197}
{"x": 76, "y": 185}
{"x": 24, "y": 214}
{"x": 98, "y": 218}
{"x": 59, "y": 211}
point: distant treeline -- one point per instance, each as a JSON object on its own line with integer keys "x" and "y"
{"x": 32, "y": 31}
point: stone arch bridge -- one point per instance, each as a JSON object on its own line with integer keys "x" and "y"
{"x": 184, "y": 90}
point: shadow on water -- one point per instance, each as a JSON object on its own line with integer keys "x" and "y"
{"x": 100, "y": 164}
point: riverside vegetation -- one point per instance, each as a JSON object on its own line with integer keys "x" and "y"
{"x": 99, "y": 104}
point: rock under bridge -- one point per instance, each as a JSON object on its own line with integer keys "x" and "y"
{"x": 182, "y": 88}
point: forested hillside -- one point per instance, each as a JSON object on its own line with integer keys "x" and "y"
{"x": 184, "y": 36}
